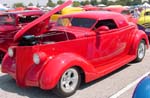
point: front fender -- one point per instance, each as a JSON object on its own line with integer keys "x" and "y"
{"x": 56, "y": 67}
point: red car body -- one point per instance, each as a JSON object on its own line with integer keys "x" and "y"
{"x": 103, "y": 42}
{"x": 11, "y": 22}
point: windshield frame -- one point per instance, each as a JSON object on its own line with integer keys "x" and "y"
{"x": 71, "y": 18}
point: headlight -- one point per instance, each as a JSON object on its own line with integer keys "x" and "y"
{"x": 36, "y": 58}
{"x": 10, "y": 52}
{"x": 39, "y": 58}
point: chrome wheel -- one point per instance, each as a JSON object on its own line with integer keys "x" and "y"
{"x": 68, "y": 83}
{"x": 69, "y": 80}
{"x": 141, "y": 50}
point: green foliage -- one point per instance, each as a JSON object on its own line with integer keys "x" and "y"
{"x": 111, "y": 3}
{"x": 38, "y": 5}
{"x": 5, "y": 4}
{"x": 76, "y": 4}
{"x": 50, "y": 3}
{"x": 104, "y": 2}
{"x": 94, "y": 2}
{"x": 87, "y": 2}
{"x": 124, "y": 2}
{"x": 82, "y": 3}
{"x": 18, "y": 5}
{"x": 136, "y": 2}
{"x": 60, "y": 2}
{"x": 30, "y": 4}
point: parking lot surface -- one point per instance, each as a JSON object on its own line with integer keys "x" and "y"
{"x": 119, "y": 84}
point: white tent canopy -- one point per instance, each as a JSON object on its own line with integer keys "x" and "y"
{"x": 3, "y": 7}
{"x": 146, "y": 5}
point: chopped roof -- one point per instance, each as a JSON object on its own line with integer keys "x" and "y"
{"x": 96, "y": 15}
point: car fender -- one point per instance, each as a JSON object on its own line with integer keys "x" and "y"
{"x": 56, "y": 67}
{"x": 137, "y": 37}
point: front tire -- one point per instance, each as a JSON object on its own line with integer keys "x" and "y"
{"x": 68, "y": 83}
{"x": 140, "y": 51}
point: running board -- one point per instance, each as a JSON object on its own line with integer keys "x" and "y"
{"x": 117, "y": 63}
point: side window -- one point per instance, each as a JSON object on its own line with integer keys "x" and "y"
{"x": 108, "y": 22}
{"x": 27, "y": 19}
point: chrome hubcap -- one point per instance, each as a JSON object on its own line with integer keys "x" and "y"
{"x": 141, "y": 50}
{"x": 69, "y": 80}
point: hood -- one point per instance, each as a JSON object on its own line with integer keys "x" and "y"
{"x": 39, "y": 25}
{"x": 77, "y": 31}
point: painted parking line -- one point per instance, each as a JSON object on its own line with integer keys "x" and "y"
{"x": 128, "y": 86}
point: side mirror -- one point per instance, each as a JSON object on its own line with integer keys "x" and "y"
{"x": 102, "y": 28}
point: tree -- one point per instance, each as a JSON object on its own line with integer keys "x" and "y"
{"x": 104, "y": 2}
{"x": 82, "y": 3}
{"x": 136, "y": 2}
{"x": 18, "y": 5}
{"x": 111, "y": 3}
{"x": 30, "y": 4}
{"x": 124, "y": 2}
{"x": 94, "y": 2}
{"x": 5, "y": 4}
{"x": 87, "y": 2}
{"x": 76, "y": 4}
{"x": 38, "y": 5}
{"x": 50, "y": 3}
{"x": 60, "y": 2}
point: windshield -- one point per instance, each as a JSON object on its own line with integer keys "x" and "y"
{"x": 7, "y": 20}
{"x": 76, "y": 22}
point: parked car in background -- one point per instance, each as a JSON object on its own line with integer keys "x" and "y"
{"x": 144, "y": 21}
{"x": 10, "y": 23}
{"x": 81, "y": 47}
{"x": 123, "y": 10}
{"x": 91, "y": 8}
{"x": 64, "y": 11}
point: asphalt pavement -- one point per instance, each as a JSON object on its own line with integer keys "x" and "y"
{"x": 119, "y": 84}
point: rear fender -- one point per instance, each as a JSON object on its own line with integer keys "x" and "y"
{"x": 56, "y": 67}
{"x": 137, "y": 37}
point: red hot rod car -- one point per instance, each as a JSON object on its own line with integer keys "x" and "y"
{"x": 81, "y": 47}
{"x": 10, "y": 23}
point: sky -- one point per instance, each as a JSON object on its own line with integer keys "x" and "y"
{"x": 26, "y": 2}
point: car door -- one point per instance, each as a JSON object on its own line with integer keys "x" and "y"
{"x": 109, "y": 44}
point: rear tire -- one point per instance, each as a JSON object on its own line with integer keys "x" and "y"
{"x": 141, "y": 51}
{"x": 68, "y": 83}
